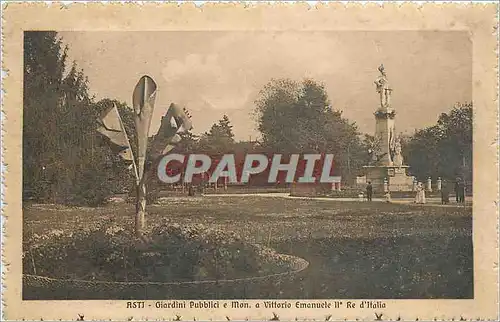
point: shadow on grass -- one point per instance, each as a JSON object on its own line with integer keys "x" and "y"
{"x": 385, "y": 268}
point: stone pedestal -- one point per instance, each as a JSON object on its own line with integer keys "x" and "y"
{"x": 428, "y": 186}
{"x": 385, "y": 133}
{"x": 397, "y": 179}
{"x": 386, "y": 185}
{"x": 336, "y": 186}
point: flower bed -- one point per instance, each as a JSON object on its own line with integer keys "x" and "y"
{"x": 174, "y": 253}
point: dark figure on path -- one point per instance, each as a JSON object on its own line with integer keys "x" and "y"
{"x": 191, "y": 190}
{"x": 445, "y": 193}
{"x": 203, "y": 185}
{"x": 461, "y": 190}
{"x": 369, "y": 191}
{"x": 457, "y": 188}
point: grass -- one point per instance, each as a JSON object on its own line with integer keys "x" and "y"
{"x": 355, "y": 250}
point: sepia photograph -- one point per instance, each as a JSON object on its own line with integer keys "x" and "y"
{"x": 250, "y": 162}
{"x": 102, "y": 110}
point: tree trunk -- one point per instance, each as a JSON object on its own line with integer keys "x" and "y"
{"x": 140, "y": 209}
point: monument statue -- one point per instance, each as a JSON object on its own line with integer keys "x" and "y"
{"x": 383, "y": 88}
{"x": 398, "y": 158}
{"x": 386, "y": 169}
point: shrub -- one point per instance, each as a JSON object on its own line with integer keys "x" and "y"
{"x": 175, "y": 253}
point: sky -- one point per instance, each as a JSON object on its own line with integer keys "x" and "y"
{"x": 213, "y": 73}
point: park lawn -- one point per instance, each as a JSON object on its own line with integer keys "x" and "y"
{"x": 355, "y": 249}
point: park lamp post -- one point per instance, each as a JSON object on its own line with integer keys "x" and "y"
{"x": 175, "y": 121}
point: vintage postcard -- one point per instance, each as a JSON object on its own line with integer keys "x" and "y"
{"x": 279, "y": 162}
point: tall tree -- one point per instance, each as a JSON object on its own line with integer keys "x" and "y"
{"x": 276, "y": 115}
{"x": 189, "y": 142}
{"x": 297, "y": 117}
{"x": 445, "y": 149}
{"x": 62, "y": 158}
{"x": 220, "y": 137}
{"x": 44, "y": 64}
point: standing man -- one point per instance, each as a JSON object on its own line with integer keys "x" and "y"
{"x": 461, "y": 190}
{"x": 457, "y": 190}
{"x": 445, "y": 193}
{"x": 191, "y": 190}
{"x": 369, "y": 191}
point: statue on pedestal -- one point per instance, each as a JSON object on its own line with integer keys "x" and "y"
{"x": 386, "y": 168}
{"x": 383, "y": 88}
{"x": 398, "y": 158}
